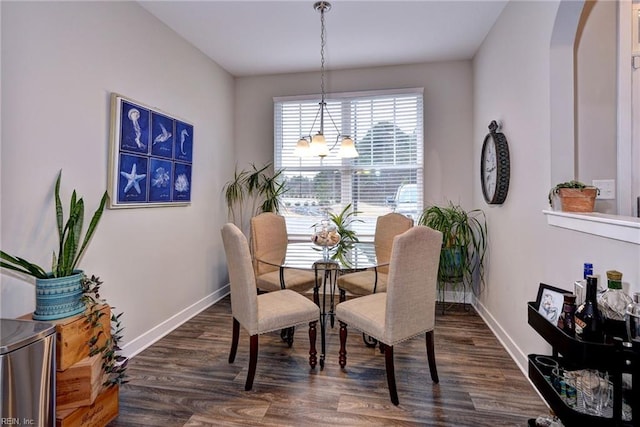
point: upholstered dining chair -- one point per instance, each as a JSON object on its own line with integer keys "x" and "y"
{"x": 269, "y": 243}
{"x": 263, "y": 313}
{"x": 407, "y": 309}
{"x": 371, "y": 281}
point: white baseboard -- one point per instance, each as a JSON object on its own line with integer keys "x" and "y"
{"x": 455, "y": 297}
{"x": 521, "y": 359}
{"x": 143, "y": 341}
{"x": 514, "y": 351}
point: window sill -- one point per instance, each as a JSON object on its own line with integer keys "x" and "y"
{"x": 623, "y": 228}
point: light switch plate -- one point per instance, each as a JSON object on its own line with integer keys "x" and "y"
{"x": 607, "y": 188}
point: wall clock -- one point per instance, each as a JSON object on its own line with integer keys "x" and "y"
{"x": 495, "y": 166}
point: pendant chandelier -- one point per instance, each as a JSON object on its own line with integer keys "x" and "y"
{"x": 317, "y": 145}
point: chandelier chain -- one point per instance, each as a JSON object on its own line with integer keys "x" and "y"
{"x": 322, "y": 44}
{"x": 317, "y": 142}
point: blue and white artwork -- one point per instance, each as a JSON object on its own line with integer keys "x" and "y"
{"x": 132, "y": 179}
{"x": 151, "y": 156}
{"x": 134, "y": 128}
{"x": 182, "y": 182}
{"x": 162, "y": 135}
{"x": 184, "y": 142}
{"x": 160, "y": 180}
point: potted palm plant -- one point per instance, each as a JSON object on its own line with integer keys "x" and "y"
{"x": 575, "y": 196}
{"x": 254, "y": 189}
{"x": 59, "y": 291}
{"x": 464, "y": 242}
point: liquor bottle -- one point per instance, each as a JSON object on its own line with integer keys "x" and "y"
{"x": 613, "y": 301}
{"x": 580, "y": 285}
{"x": 587, "y": 270}
{"x": 632, "y": 318}
{"x": 566, "y": 320}
{"x": 588, "y": 320}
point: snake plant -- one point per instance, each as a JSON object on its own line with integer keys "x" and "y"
{"x": 69, "y": 235}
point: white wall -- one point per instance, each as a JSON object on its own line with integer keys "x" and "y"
{"x": 60, "y": 62}
{"x": 447, "y": 117}
{"x": 596, "y": 112}
{"x": 512, "y": 83}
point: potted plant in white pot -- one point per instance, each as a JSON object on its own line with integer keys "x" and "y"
{"x": 59, "y": 291}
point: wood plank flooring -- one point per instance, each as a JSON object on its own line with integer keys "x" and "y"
{"x": 185, "y": 380}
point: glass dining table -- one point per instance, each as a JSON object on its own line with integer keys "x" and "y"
{"x": 328, "y": 264}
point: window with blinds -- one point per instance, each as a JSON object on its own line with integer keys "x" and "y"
{"x": 387, "y": 128}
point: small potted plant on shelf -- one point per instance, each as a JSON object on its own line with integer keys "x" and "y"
{"x": 59, "y": 292}
{"x": 574, "y": 196}
{"x": 464, "y": 241}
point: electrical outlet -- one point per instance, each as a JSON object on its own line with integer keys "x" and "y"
{"x": 607, "y": 188}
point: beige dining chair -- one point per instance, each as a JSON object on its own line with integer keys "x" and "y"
{"x": 375, "y": 280}
{"x": 407, "y": 309}
{"x": 269, "y": 243}
{"x": 263, "y": 313}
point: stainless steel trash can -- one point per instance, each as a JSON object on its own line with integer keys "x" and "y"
{"x": 27, "y": 373}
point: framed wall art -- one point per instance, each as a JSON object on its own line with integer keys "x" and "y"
{"x": 151, "y": 156}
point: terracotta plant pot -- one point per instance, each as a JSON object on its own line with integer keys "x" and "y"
{"x": 577, "y": 199}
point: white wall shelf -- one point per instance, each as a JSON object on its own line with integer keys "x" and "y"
{"x": 623, "y": 228}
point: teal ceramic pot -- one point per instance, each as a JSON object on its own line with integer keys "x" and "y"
{"x": 451, "y": 258}
{"x": 59, "y": 297}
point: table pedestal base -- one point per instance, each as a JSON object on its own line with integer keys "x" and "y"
{"x": 329, "y": 270}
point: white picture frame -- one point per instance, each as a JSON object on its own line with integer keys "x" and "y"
{"x": 150, "y": 156}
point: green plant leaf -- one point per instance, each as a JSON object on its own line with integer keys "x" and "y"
{"x": 254, "y": 189}
{"x": 465, "y": 235}
{"x": 59, "y": 220}
{"x": 92, "y": 228}
{"x": 69, "y": 234}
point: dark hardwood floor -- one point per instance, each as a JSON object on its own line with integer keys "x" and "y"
{"x": 185, "y": 380}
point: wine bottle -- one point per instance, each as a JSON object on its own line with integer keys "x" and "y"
{"x": 588, "y": 319}
{"x": 566, "y": 320}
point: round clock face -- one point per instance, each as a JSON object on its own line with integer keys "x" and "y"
{"x": 494, "y": 166}
{"x": 489, "y": 170}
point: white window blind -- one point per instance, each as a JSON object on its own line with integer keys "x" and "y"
{"x": 387, "y": 128}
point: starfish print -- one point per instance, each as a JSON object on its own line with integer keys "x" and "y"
{"x": 132, "y": 179}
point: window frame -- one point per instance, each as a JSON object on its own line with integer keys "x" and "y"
{"x": 347, "y": 167}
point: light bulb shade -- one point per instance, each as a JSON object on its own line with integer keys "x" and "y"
{"x": 347, "y": 149}
{"x": 319, "y": 145}
{"x": 302, "y": 148}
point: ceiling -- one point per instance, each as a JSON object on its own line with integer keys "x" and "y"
{"x": 271, "y": 37}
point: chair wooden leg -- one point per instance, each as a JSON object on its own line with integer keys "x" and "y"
{"x": 253, "y": 361}
{"x": 291, "y": 331}
{"x": 431, "y": 356}
{"x": 382, "y": 346}
{"x": 391, "y": 374}
{"x": 342, "y": 354}
{"x": 234, "y": 340}
{"x": 313, "y": 360}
